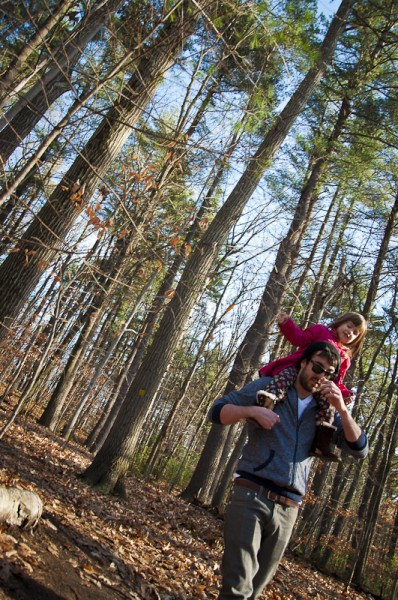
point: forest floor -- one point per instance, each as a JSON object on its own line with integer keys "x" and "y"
{"x": 88, "y": 546}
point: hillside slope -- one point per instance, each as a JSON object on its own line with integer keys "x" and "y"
{"x": 89, "y": 546}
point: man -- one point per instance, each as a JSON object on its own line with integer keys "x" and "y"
{"x": 273, "y": 470}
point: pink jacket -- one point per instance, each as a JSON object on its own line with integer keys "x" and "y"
{"x": 303, "y": 338}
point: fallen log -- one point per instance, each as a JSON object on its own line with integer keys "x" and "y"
{"x": 20, "y": 507}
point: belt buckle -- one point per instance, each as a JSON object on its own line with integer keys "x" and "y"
{"x": 269, "y": 495}
{"x": 283, "y": 500}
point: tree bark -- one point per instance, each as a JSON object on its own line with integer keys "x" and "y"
{"x": 31, "y": 46}
{"x": 96, "y": 438}
{"x": 380, "y": 467}
{"x": 253, "y": 344}
{"x": 112, "y": 462}
{"x": 383, "y": 249}
{"x": 43, "y": 240}
{"x": 22, "y": 117}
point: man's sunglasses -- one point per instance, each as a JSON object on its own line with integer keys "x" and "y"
{"x": 319, "y": 370}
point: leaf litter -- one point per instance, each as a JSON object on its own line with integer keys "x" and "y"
{"x": 91, "y": 546}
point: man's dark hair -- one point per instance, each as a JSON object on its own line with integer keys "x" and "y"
{"x": 326, "y": 350}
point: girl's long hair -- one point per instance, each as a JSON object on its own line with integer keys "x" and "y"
{"x": 360, "y": 322}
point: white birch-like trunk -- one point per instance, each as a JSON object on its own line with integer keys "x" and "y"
{"x": 20, "y": 507}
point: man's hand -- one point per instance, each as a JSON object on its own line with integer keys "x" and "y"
{"x": 231, "y": 413}
{"x": 333, "y": 395}
{"x": 331, "y": 392}
{"x": 265, "y": 417}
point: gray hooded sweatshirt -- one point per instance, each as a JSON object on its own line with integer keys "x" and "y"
{"x": 280, "y": 458}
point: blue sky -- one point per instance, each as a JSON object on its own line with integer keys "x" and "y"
{"x": 328, "y": 7}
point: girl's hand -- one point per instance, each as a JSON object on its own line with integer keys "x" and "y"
{"x": 282, "y": 317}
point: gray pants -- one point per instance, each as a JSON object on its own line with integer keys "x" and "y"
{"x": 256, "y": 534}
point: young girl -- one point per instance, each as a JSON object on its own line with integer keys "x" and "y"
{"x": 347, "y": 333}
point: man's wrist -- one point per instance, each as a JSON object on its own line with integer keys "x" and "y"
{"x": 344, "y": 413}
{"x": 352, "y": 431}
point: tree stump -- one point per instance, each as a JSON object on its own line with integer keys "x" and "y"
{"x": 20, "y": 507}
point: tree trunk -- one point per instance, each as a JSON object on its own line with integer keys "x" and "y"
{"x": 52, "y": 412}
{"x": 201, "y": 483}
{"x": 99, "y": 369}
{"x": 41, "y": 243}
{"x": 106, "y": 284}
{"x": 374, "y": 283}
{"x": 31, "y": 46}
{"x": 100, "y": 431}
{"x": 24, "y": 115}
{"x": 253, "y": 344}
{"x": 327, "y": 285}
{"x": 182, "y": 393}
{"x": 375, "y": 485}
{"x": 224, "y": 481}
{"x": 97, "y": 437}
{"x": 334, "y": 519}
{"x": 110, "y": 465}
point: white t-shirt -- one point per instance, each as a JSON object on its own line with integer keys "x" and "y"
{"x": 303, "y": 403}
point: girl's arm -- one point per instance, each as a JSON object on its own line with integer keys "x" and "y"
{"x": 345, "y": 363}
{"x": 345, "y": 391}
{"x": 301, "y": 337}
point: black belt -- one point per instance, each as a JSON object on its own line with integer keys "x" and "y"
{"x": 266, "y": 493}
